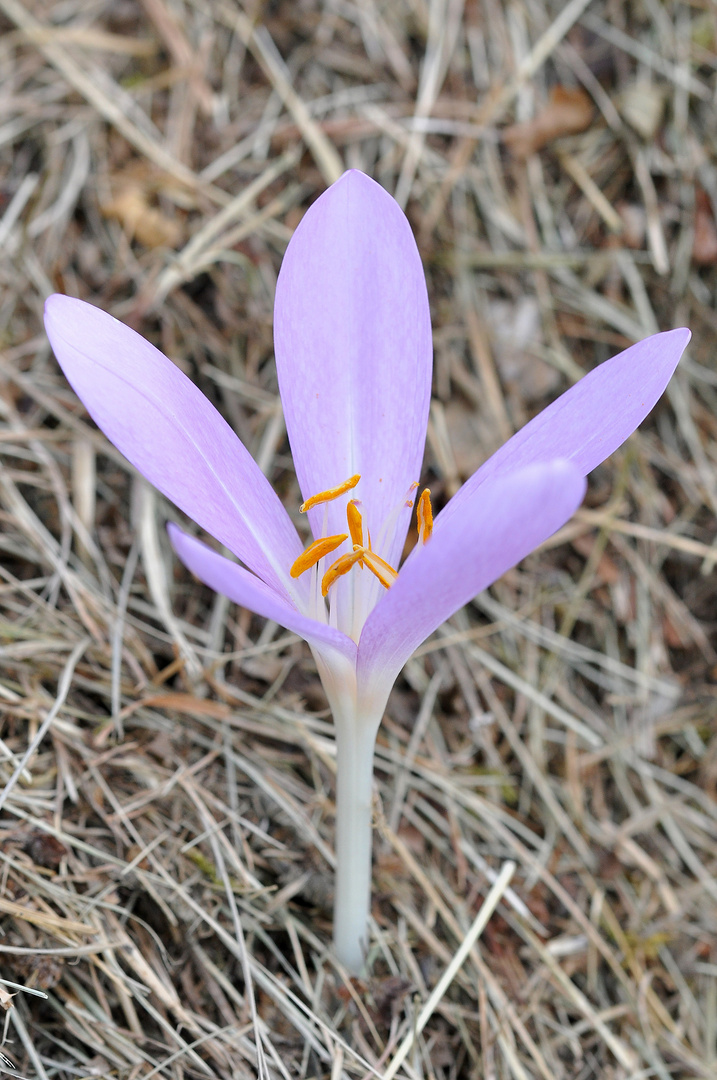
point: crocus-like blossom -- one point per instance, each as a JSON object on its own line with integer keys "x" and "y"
{"x": 353, "y": 352}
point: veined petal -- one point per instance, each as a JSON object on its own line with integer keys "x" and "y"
{"x": 502, "y": 522}
{"x": 353, "y": 347}
{"x": 244, "y": 588}
{"x": 168, "y": 429}
{"x": 591, "y": 419}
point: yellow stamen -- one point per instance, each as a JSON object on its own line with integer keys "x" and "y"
{"x": 378, "y": 566}
{"x": 342, "y": 566}
{"x": 353, "y": 515}
{"x": 316, "y": 551}
{"x": 330, "y": 493}
{"x": 424, "y": 517}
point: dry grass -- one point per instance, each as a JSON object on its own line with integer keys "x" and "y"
{"x": 166, "y": 829}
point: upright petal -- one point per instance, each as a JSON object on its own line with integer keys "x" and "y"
{"x": 353, "y": 349}
{"x": 168, "y": 429}
{"x": 243, "y": 588}
{"x": 501, "y": 523}
{"x": 591, "y": 419}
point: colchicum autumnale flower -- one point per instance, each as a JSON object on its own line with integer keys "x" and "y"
{"x": 353, "y": 352}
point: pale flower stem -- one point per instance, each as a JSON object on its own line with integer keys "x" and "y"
{"x": 355, "y": 740}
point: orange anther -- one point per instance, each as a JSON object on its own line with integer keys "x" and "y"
{"x": 378, "y": 566}
{"x": 424, "y": 517}
{"x": 342, "y": 566}
{"x": 330, "y": 493}
{"x": 316, "y": 551}
{"x": 353, "y": 516}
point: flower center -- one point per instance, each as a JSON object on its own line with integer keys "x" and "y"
{"x": 362, "y": 553}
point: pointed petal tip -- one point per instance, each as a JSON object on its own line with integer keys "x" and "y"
{"x": 678, "y": 338}
{"x": 672, "y": 343}
{"x": 56, "y": 306}
{"x": 562, "y": 471}
{"x": 657, "y": 356}
{"x": 357, "y": 186}
{"x": 57, "y": 302}
{"x": 681, "y": 335}
{"x": 61, "y": 313}
{"x": 356, "y": 178}
{"x": 51, "y": 303}
{"x": 174, "y": 533}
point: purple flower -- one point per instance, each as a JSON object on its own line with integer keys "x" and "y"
{"x": 353, "y": 353}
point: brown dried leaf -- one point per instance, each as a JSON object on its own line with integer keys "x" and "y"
{"x": 515, "y": 326}
{"x": 673, "y": 635}
{"x": 388, "y": 994}
{"x": 606, "y": 571}
{"x": 39, "y": 972}
{"x": 704, "y": 245}
{"x": 634, "y": 224}
{"x": 461, "y": 420}
{"x": 45, "y": 850}
{"x": 569, "y": 111}
{"x": 140, "y": 220}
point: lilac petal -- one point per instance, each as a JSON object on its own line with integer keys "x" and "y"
{"x": 498, "y": 526}
{"x": 352, "y": 335}
{"x": 591, "y": 419}
{"x": 168, "y": 429}
{"x": 244, "y": 588}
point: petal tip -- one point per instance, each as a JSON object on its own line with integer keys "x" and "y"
{"x": 357, "y": 178}
{"x": 666, "y": 348}
{"x": 356, "y": 185}
{"x": 55, "y": 304}
{"x": 672, "y": 341}
{"x": 568, "y": 477}
{"x": 60, "y": 309}
{"x": 183, "y": 543}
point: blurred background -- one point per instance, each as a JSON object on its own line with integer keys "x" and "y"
{"x": 166, "y": 823}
